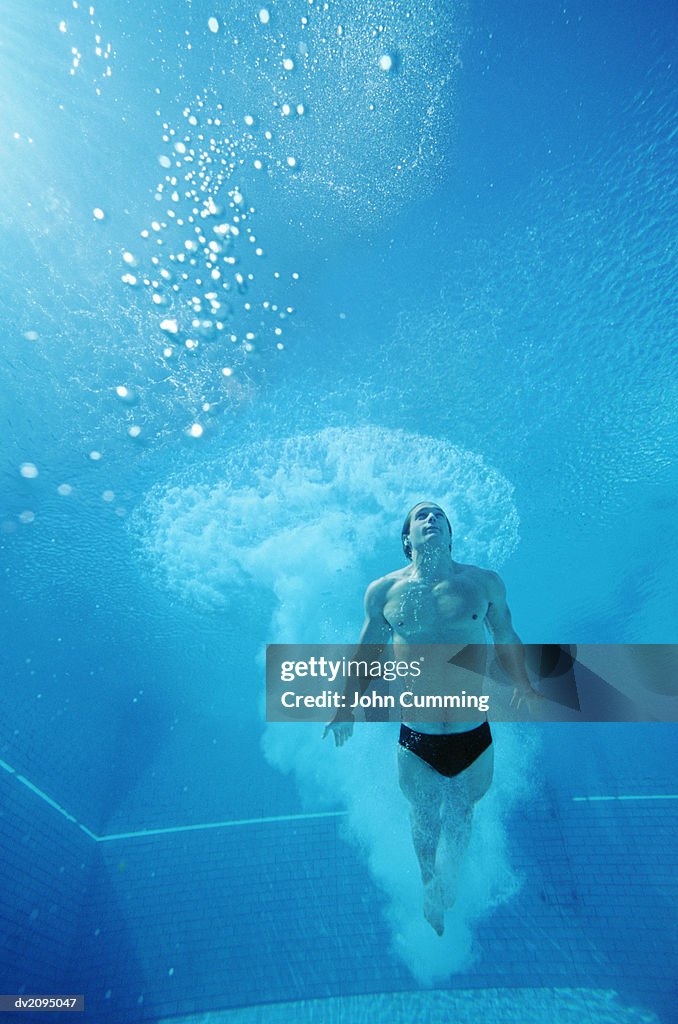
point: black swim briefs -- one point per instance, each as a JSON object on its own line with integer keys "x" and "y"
{"x": 448, "y": 753}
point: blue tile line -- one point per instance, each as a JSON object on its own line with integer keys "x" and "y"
{"x": 242, "y": 822}
{"x": 220, "y": 824}
{"x": 233, "y": 823}
{"x": 631, "y": 796}
{"x": 43, "y": 796}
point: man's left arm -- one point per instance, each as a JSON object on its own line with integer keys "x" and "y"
{"x": 508, "y": 646}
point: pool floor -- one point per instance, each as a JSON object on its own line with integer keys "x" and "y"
{"x": 490, "y": 1006}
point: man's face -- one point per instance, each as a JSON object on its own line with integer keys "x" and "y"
{"x": 428, "y": 527}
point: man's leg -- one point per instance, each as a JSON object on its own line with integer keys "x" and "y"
{"x": 423, "y": 787}
{"x": 462, "y": 792}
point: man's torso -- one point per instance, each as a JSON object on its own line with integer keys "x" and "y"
{"x": 449, "y": 611}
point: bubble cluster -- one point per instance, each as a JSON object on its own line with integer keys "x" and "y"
{"x": 355, "y": 100}
{"x": 94, "y": 54}
{"x": 202, "y": 263}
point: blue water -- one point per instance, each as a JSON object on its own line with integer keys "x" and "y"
{"x": 451, "y": 276}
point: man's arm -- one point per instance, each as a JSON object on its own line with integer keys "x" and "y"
{"x": 508, "y": 646}
{"x": 376, "y": 633}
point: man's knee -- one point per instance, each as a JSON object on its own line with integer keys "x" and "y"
{"x": 425, "y": 819}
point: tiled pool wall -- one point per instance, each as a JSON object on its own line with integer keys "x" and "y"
{"x": 46, "y": 868}
{"x": 155, "y": 925}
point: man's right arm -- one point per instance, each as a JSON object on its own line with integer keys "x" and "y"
{"x": 374, "y": 636}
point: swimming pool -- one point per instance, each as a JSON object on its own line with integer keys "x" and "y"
{"x": 272, "y": 273}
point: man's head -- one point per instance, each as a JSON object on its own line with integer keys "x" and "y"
{"x": 425, "y": 523}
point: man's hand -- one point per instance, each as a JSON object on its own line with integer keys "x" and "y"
{"x": 342, "y": 731}
{"x": 526, "y": 699}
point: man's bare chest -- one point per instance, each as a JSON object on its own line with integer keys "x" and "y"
{"x": 414, "y": 608}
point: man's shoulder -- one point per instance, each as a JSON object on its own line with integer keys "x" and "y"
{"x": 379, "y": 588}
{"x": 486, "y": 577}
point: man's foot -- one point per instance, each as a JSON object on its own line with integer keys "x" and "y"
{"x": 434, "y": 912}
{"x": 448, "y": 890}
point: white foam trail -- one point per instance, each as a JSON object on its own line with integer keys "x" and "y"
{"x": 312, "y": 520}
{"x": 300, "y": 512}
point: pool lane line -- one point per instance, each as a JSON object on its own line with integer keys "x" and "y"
{"x": 628, "y": 796}
{"x": 233, "y": 823}
{"x": 243, "y": 822}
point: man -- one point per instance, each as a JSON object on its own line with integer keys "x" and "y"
{"x": 444, "y": 767}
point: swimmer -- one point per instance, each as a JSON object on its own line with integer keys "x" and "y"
{"x": 444, "y": 767}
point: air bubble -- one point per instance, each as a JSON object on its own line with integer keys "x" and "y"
{"x": 98, "y": 213}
